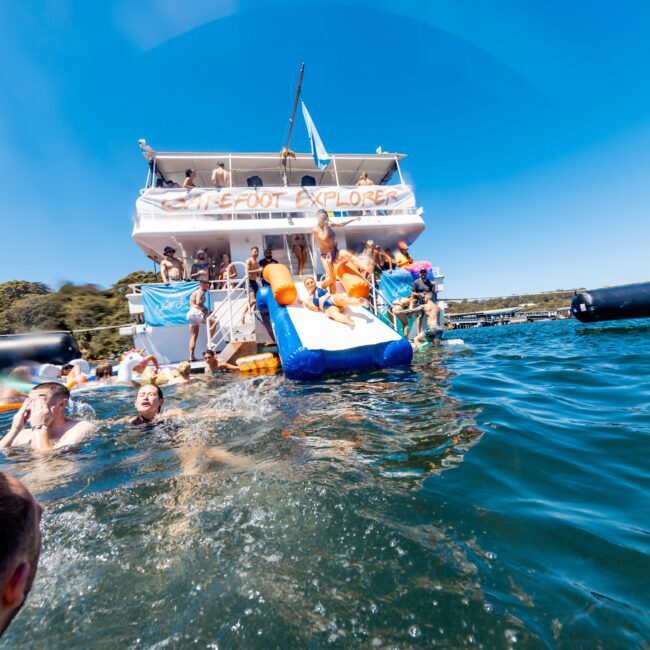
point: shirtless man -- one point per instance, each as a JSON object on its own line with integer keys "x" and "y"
{"x": 197, "y": 314}
{"x": 213, "y": 365}
{"x": 433, "y": 332}
{"x": 364, "y": 180}
{"x": 326, "y": 240}
{"x": 171, "y": 268}
{"x": 320, "y": 299}
{"x": 44, "y": 410}
{"x": 254, "y": 271}
{"x": 220, "y": 177}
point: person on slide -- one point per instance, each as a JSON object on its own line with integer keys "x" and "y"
{"x": 320, "y": 299}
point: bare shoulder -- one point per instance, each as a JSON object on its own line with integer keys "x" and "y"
{"x": 78, "y": 431}
{"x": 172, "y": 413}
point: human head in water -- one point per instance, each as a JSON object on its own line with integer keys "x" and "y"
{"x": 149, "y": 401}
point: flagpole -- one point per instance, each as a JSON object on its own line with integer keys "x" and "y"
{"x": 285, "y": 150}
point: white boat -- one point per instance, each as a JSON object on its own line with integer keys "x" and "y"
{"x": 269, "y": 198}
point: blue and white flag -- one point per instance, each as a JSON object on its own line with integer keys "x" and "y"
{"x": 167, "y": 304}
{"x": 321, "y": 156}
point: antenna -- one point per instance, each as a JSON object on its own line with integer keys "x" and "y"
{"x": 286, "y": 151}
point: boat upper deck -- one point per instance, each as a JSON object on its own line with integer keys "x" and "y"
{"x": 168, "y": 170}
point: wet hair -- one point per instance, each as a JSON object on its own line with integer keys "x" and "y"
{"x": 188, "y": 172}
{"x": 66, "y": 368}
{"x": 54, "y": 387}
{"x": 210, "y": 352}
{"x": 20, "y": 372}
{"x": 18, "y": 515}
{"x": 103, "y": 371}
{"x": 184, "y": 368}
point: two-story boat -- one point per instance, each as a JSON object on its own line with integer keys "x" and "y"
{"x": 263, "y": 200}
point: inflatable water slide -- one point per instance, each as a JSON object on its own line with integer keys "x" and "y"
{"x": 312, "y": 345}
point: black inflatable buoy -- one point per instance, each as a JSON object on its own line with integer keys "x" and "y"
{"x": 51, "y": 347}
{"x": 612, "y": 303}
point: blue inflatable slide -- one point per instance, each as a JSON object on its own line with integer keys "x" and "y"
{"x": 312, "y": 345}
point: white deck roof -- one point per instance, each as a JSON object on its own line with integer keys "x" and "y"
{"x": 268, "y": 166}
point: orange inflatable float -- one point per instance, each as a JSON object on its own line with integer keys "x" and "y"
{"x": 282, "y": 286}
{"x": 10, "y": 407}
{"x": 353, "y": 282}
{"x": 255, "y": 362}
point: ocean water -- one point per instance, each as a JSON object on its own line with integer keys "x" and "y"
{"x": 495, "y": 495}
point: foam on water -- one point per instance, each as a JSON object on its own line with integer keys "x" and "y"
{"x": 493, "y": 495}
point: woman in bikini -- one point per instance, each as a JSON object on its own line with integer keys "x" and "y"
{"x": 320, "y": 299}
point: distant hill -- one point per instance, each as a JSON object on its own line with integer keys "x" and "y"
{"x": 531, "y": 302}
{"x": 31, "y": 306}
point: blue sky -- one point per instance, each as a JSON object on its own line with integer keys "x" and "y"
{"x": 527, "y": 124}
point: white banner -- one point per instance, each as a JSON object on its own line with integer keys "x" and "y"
{"x": 276, "y": 199}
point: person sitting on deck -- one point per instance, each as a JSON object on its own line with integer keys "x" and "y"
{"x": 403, "y": 257}
{"x": 254, "y": 271}
{"x": 326, "y": 240}
{"x": 202, "y": 268}
{"x": 220, "y": 177}
{"x": 44, "y": 410}
{"x": 190, "y": 176}
{"x": 172, "y": 269}
{"x": 213, "y": 364}
{"x": 268, "y": 259}
{"x": 197, "y": 314}
{"x": 320, "y": 299}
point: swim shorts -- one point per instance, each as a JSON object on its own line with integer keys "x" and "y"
{"x": 195, "y": 316}
{"x": 254, "y": 287}
{"x": 433, "y": 333}
{"x": 334, "y": 254}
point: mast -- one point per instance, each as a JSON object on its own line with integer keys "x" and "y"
{"x": 286, "y": 151}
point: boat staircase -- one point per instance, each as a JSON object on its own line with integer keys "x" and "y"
{"x": 236, "y": 319}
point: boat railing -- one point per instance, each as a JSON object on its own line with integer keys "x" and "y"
{"x": 203, "y": 215}
{"x": 232, "y": 310}
{"x": 215, "y": 285}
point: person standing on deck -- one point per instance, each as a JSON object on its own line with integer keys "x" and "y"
{"x": 220, "y": 177}
{"x": 268, "y": 259}
{"x": 197, "y": 314}
{"x": 326, "y": 239}
{"x": 364, "y": 180}
{"x": 254, "y": 271}
{"x": 171, "y": 268}
{"x": 201, "y": 269}
{"x": 190, "y": 177}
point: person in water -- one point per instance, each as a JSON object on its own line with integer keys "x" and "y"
{"x": 320, "y": 299}
{"x": 149, "y": 402}
{"x": 44, "y": 411}
{"x": 171, "y": 268}
{"x": 213, "y": 365}
{"x": 326, "y": 239}
{"x": 197, "y": 314}
{"x": 433, "y": 332}
{"x": 11, "y": 394}
{"x": 20, "y": 518}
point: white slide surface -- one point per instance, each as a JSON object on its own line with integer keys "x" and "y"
{"x": 318, "y": 332}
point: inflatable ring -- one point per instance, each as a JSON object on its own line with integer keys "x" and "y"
{"x": 10, "y": 407}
